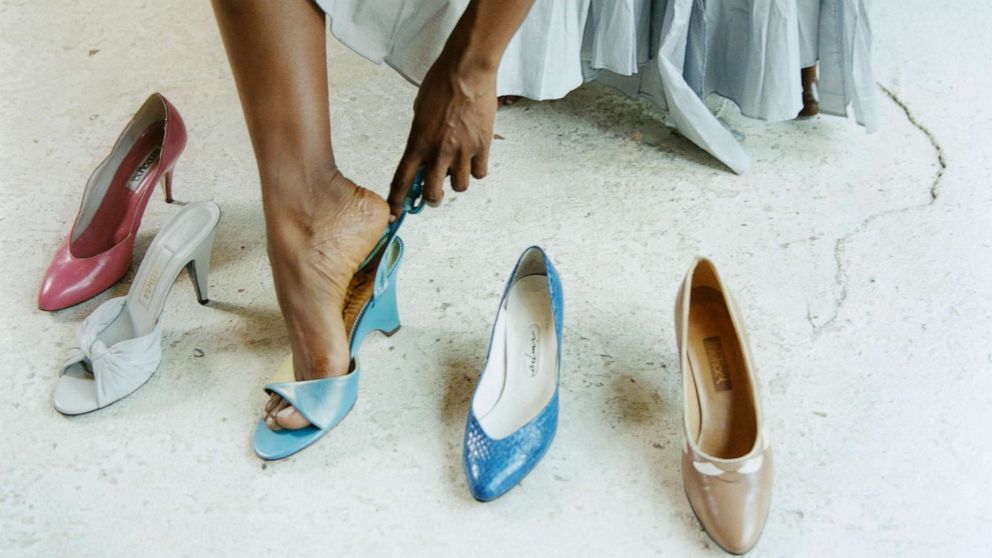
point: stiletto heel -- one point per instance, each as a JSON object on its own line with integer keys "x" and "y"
{"x": 167, "y": 184}
{"x": 97, "y": 251}
{"x": 120, "y": 343}
{"x": 199, "y": 268}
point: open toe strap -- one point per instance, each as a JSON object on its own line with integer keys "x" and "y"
{"x": 322, "y": 402}
{"x": 120, "y": 368}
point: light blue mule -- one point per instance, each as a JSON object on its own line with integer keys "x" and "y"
{"x": 514, "y": 413}
{"x": 325, "y": 403}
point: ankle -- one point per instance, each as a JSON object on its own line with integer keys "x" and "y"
{"x": 293, "y": 194}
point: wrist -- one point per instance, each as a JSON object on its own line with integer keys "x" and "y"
{"x": 470, "y": 75}
{"x": 477, "y": 63}
{"x": 471, "y": 52}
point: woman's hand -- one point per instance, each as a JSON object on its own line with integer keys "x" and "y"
{"x": 452, "y": 128}
{"x": 455, "y": 108}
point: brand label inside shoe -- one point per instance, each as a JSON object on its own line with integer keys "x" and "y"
{"x": 533, "y": 341}
{"x": 148, "y": 287}
{"x": 140, "y": 172}
{"x": 718, "y": 363}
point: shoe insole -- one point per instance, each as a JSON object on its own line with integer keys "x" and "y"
{"x": 360, "y": 292}
{"x": 166, "y": 257}
{"x": 112, "y": 221}
{"x": 727, "y": 428}
{"x": 528, "y": 368}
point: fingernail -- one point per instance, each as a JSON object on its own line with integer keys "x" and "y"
{"x": 285, "y": 412}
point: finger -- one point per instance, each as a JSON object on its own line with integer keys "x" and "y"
{"x": 434, "y": 182}
{"x": 480, "y": 163}
{"x": 459, "y": 175}
{"x": 405, "y": 173}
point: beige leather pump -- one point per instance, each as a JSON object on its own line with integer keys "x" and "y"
{"x": 726, "y": 461}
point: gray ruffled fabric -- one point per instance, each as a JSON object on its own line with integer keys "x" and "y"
{"x": 672, "y": 52}
{"x": 837, "y": 33}
{"x": 121, "y": 368}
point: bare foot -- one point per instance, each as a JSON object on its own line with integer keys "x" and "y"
{"x": 315, "y": 253}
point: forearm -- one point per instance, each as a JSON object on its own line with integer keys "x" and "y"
{"x": 479, "y": 39}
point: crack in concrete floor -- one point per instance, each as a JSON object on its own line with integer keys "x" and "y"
{"x": 840, "y": 276}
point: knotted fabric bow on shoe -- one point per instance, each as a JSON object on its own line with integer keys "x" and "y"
{"x": 123, "y": 367}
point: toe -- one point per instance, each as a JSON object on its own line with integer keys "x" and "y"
{"x": 272, "y": 424}
{"x": 290, "y": 419}
{"x": 279, "y": 407}
{"x": 271, "y": 405}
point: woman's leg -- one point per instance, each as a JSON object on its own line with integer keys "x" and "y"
{"x": 319, "y": 224}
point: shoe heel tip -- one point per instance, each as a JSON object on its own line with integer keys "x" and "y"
{"x": 203, "y": 301}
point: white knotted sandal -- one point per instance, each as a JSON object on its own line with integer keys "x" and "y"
{"x": 120, "y": 342}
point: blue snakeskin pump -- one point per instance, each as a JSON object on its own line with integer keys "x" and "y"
{"x": 514, "y": 411}
{"x": 325, "y": 402}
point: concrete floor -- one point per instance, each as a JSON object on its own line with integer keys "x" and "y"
{"x": 862, "y": 264}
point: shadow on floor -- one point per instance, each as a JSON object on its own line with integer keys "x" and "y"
{"x": 616, "y": 115}
{"x": 459, "y": 365}
{"x": 647, "y": 397}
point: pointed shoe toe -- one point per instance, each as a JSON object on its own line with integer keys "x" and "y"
{"x": 70, "y": 280}
{"x": 54, "y": 296}
{"x": 493, "y": 467}
{"x": 730, "y": 499}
